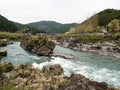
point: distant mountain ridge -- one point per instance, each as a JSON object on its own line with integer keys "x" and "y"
{"x": 108, "y": 19}
{"x": 45, "y": 24}
{"x": 10, "y": 26}
{"x": 52, "y": 26}
{"x": 27, "y": 29}
{"x": 49, "y": 27}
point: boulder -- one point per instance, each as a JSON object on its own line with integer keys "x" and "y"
{"x": 52, "y": 69}
{"x": 79, "y": 82}
{"x": 116, "y": 49}
{"x": 23, "y": 71}
{"x": 40, "y": 45}
{"x": 96, "y": 47}
{"x": 66, "y": 56}
{"x": 3, "y": 52}
{"x": 7, "y": 67}
{"x": 3, "y": 42}
{"x": 47, "y": 49}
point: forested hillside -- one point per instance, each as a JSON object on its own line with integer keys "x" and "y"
{"x": 52, "y": 27}
{"x": 10, "y": 26}
{"x": 6, "y": 25}
{"x": 100, "y": 22}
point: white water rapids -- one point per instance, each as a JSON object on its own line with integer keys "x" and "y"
{"x": 93, "y": 66}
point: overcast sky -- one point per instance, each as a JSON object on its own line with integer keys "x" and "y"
{"x": 64, "y": 11}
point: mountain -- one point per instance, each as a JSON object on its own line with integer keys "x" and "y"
{"x": 49, "y": 27}
{"x": 10, "y": 26}
{"x": 98, "y": 22}
{"x": 45, "y": 24}
{"x": 52, "y": 27}
{"x": 27, "y": 29}
{"x": 6, "y": 25}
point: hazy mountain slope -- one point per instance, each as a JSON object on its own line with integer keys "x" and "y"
{"x": 51, "y": 26}
{"x": 45, "y": 24}
{"x": 28, "y": 29}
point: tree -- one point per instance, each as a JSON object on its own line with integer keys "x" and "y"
{"x": 114, "y": 25}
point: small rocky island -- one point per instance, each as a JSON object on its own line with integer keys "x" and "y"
{"x": 40, "y": 45}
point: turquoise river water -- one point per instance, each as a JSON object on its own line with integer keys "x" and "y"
{"x": 93, "y": 66}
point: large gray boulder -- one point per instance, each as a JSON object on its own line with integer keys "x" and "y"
{"x": 79, "y": 82}
{"x": 52, "y": 69}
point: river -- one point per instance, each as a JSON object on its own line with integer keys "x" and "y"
{"x": 93, "y": 66}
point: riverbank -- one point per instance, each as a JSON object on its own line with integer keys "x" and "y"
{"x": 51, "y": 77}
{"x": 95, "y": 67}
{"x": 106, "y": 48}
{"x": 97, "y": 44}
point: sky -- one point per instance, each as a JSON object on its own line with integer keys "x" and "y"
{"x": 63, "y": 11}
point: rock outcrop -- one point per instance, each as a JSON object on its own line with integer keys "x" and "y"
{"x": 3, "y": 52}
{"x": 103, "y": 48}
{"x": 79, "y": 82}
{"x": 7, "y": 67}
{"x": 66, "y": 56}
{"x": 3, "y": 42}
{"x": 51, "y": 77}
{"x": 40, "y": 45}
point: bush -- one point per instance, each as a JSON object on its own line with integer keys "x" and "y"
{"x": 11, "y": 36}
{"x": 1, "y": 69}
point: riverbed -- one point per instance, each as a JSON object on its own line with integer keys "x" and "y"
{"x": 93, "y": 66}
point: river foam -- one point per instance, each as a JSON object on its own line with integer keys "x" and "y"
{"x": 111, "y": 77}
{"x": 93, "y": 66}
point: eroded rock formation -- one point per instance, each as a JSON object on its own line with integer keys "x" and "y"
{"x": 40, "y": 45}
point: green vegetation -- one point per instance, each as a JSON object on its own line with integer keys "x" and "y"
{"x": 107, "y": 20}
{"x": 8, "y": 87}
{"x": 114, "y": 25}
{"x": 6, "y": 25}
{"x": 11, "y": 36}
{"x": 28, "y": 29}
{"x": 52, "y": 27}
{"x": 118, "y": 43}
{"x": 87, "y": 26}
{"x": 92, "y": 37}
{"x": 9, "y": 26}
{"x": 1, "y": 69}
{"x": 64, "y": 28}
{"x": 108, "y": 15}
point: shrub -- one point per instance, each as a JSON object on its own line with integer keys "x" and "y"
{"x": 11, "y": 36}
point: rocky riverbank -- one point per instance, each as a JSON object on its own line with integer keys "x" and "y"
{"x": 26, "y": 77}
{"x": 40, "y": 45}
{"x": 107, "y": 48}
{"x": 3, "y": 53}
{"x": 65, "y": 56}
{"x": 4, "y": 42}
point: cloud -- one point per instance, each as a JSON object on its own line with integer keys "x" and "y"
{"x": 66, "y": 11}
